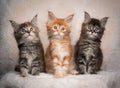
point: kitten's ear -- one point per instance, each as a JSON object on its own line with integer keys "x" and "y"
{"x": 103, "y": 21}
{"x": 34, "y": 20}
{"x": 14, "y": 25}
{"x": 69, "y": 18}
{"x": 51, "y": 16}
{"x": 87, "y": 17}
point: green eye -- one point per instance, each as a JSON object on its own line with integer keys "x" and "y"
{"x": 23, "y": 30}
{"x": 55, "y": 27}
{"x": 96, "y": 29}
{"x": 89, "y": 27}
{"x": 63, "y": 29}
{"x": 31, "y": 29}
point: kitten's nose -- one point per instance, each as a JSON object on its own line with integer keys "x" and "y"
{"x": 92, "y": 31}
{"x": 59, "y": 31}
{"x": 28, "y": 31}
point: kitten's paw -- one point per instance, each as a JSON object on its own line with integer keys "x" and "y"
{"x": 59, "y": 75}
{"x": 74, "y": 72}
{"x": 24, "y": 74}
{"x": 65, "y": 73}
{"x": 35, "y": 71}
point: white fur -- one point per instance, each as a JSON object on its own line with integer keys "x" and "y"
{"x": 89, "y": 52}
{"x": 58, "y": 35}
{"x": 55, "y": 60}
{"x": 102, "y": 80}
{"x": 30, "y": 56}
{"x": 61, "y": 51}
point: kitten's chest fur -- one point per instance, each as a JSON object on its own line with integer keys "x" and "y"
{"x": 30, "y": 52}
{"x": 89, "y": 52}
{"x": 89, "y": 48}
{"x": 29, "y": 55}
{"x": 61, "y": 48}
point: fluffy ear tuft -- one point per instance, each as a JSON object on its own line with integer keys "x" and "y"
{"x": 87, "y": 17}
{"x": 51, "y": 16}
{"x": 34, "y": 20}
{"x": 69, "y": 18}
{"x": 14, "y": 25}
{"x": 104, "y": 21}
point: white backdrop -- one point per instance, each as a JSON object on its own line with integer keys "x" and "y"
{"x": 25, "y": 10}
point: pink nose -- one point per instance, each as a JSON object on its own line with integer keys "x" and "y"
{"x": 28, "y": 31}
{"x": 59, "y": 31}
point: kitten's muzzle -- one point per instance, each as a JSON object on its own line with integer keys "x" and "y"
{"x": 28, "y": 32}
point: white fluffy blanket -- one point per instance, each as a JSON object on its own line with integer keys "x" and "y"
{"x": 101, "y": 80}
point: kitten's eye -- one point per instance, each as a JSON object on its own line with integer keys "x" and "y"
{"x": 23, "y": 30}
{"x": 89, "y": 27}
{"x": 96, "y": 29}
{"x": 31, "y": 29}
{"x": 55, "y": 27}
{"x": 62, "y": 28}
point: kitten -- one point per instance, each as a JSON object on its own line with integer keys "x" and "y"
{"x": 59, "y": 53}
{"x": 88, "y": 54}
{"x": 31, "y": 53}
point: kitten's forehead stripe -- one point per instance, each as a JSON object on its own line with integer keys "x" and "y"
{"x": 95, "y": 22}
{"x": 27, "y": 24}
{"x": 60, "y": 22}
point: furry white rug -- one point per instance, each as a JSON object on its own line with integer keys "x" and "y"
{"x": 24, "y": 10}
{"x": 101, "y": 80}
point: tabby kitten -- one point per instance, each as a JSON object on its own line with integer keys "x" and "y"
{"x": 31, "y": 53}
{"x": 88, "y": 54}
{"x": 59, "y": 53}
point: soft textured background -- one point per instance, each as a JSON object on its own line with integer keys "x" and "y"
{"x": 24, "y": 10}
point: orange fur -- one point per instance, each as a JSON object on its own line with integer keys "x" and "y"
{"x": 59, "y": 54}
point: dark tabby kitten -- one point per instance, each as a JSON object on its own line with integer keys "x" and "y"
{"x": 31, "y": 53}
{"x": 88, "y": 54}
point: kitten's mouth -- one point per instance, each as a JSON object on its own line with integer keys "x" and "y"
{"x": 59, "y": 35}
{"x": 29, "y": 34}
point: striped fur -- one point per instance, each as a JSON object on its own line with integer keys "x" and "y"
{"x": 31, "y": 53}
{"x": 88, "y": 54}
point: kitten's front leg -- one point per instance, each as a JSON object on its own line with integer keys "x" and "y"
{"x": 66, "y": 63}
{"x": 23, "y": 67}
{"x": 92, "y": 70}
{"x": 57, "y": 67}
{"x": 80, "y": 64}
{"x": 23, "y": 72}
{"x": 73, "y": 72}
{"x": 35, "y": 69}
{"x": 81, "y": 69}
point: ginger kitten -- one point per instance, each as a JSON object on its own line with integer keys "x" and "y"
{"x": 31, "y": 53}
{"x": 59, "y": 55}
